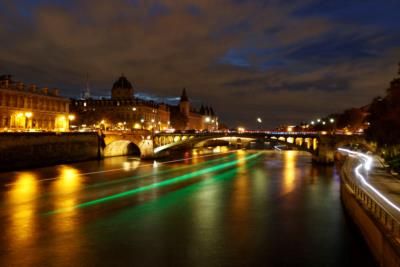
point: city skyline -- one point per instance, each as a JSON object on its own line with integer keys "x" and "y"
{"x": 297, "y": 57}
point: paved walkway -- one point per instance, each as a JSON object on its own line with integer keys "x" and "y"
{"x": 383, "y": 187}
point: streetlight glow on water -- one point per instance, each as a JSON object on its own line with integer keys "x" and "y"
{"x": 211, "y": 204}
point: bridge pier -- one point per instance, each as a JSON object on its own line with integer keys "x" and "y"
{"x": 146, "y": 149}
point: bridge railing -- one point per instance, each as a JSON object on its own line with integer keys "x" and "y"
{"x": 377, "y": 210}
{"x": 242, "y": 133}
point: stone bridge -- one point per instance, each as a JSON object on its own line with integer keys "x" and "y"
{"x": 143, "y": 143}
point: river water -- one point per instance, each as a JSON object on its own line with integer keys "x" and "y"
{"x": 204, "y": 208}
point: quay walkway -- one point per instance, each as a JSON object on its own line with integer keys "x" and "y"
{"x": 371, "y": 195}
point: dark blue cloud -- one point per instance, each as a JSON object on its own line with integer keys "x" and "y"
{"x": 384, "y": 14}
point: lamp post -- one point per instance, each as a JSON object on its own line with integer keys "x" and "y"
{"x": 71, "y": 117}
{"x": 142, "y": 122}
{"x": 207, "y": 121}
{"x": 333, "y": 128}
{"x": 259, "y": 120}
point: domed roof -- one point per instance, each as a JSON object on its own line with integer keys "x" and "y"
{"x": 123, "y": 83}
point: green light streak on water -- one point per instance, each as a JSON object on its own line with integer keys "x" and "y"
{"x": 131, "y": 178}
{"x": 157, "y": 184}
{"x": 158, "y": 173}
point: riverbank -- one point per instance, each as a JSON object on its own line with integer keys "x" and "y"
{"x": 29, "y": 150}
{"x": 371, "y": 207}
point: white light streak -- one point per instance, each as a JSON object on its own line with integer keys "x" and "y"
{"x": 367, "y": 164}
{"x": 124, "y": 168}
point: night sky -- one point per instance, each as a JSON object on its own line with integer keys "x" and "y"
{"x": 284, "y": 61}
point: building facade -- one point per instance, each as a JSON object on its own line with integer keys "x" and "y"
{"x": 122, "y": 111}
{"x": 186, "y": 117}
{"x": 25, "y": 108}
{"x": 125, "y": 112}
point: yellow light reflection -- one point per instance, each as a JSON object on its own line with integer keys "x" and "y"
{"x": 22, "y": 209}
{"x": 289, "y": 172}
{"x": 66, "y": 188}
{"x": 241, "y": 200}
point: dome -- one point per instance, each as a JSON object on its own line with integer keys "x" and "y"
{"x": 122, "y": 89}
{"x": 122, "y": 83}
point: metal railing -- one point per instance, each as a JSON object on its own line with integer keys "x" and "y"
{"x": 384, "y": 217}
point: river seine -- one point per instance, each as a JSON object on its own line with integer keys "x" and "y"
{"x": 209, "y": 207}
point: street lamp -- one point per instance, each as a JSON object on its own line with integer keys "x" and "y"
{"x": 142, "y": 122}
{"x": 71, "y": 117}
{"x": 259, "y": 120}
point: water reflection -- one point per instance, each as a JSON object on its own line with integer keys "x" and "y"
{"x": 21, "y": 198}
{"x": 233, "y": 216}
{"x": 289, "y": 172}
{"x": 66, "y": 190}
{"x": 240, "y": 200}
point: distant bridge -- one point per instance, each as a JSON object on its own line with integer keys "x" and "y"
{"x": 143, "y": 143}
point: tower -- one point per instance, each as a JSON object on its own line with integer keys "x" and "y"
{"x": 86, "y": 90}
{"x": 184, "y": 105}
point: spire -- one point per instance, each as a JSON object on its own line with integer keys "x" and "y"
{"x": 184, "y": 96}
{"x": 207, "y": 111}
{"x": 85, "y": 93}
{"x": 202, "y": 110}
{"x": 212, "y": 113}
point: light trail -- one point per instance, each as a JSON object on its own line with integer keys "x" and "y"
{"x": 158, "y": 173}
{"x": 164, "y": 183}
{"x": 367, "y": 165}
{"x": 120, "y": 169}
{"x": 132, "y": 178}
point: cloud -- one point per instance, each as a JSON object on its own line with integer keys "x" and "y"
{"x": 282, "y": 60}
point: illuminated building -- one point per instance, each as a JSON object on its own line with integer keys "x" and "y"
{"x": 122, "y": 111}
{"x": 30, "y": 108}
{"x": 186, "y": 117}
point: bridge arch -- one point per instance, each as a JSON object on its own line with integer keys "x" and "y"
{"x": 121, "y": 148}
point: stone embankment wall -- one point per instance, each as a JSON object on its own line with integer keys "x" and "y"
{"x": 383, "y": 245}
{"x": 26, "y": 150}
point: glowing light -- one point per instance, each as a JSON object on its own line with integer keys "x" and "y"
{"x": 22, "y": 197}
{"x": 289, "y": 172}
{"x": 167, "y": 182}
{"x": 331, "y": 120}
{"x": 28, "y": 114}
{"x": 71, "y": 117}
{"x": 367, "y": 164}
{"x": 312, "y": 122}
{"x": 207, "y": 119}
{"x": 134, "y": 109}
{"x": 241, "y": 129}
{"x": 259, "y": 120}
